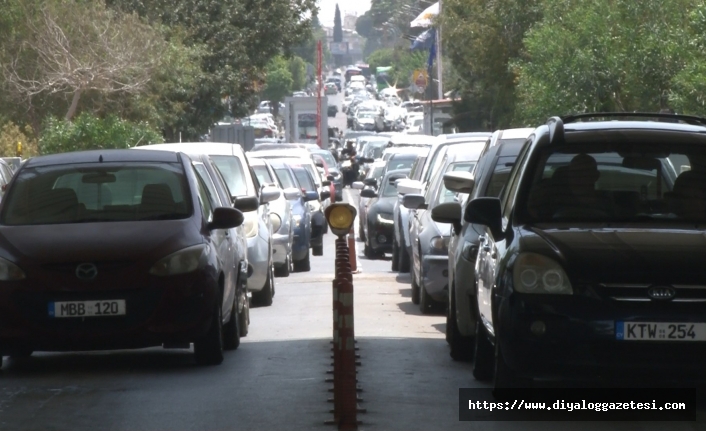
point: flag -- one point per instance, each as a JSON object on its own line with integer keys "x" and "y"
{"x": 432, "y": 51}
{"x": 424, "y": 18}
{"x": 423, "y": 41}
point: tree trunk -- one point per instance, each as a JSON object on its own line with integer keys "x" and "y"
{"x": 275, "y": 109}
{"x": 74, "y": 104}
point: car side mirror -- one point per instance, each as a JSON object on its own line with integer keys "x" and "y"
{"x": 226, "y": 218}
{"x": 370, "y": 182}
{"x": 330, "y": 177}
{"x": 358, "y": 185}
{"x": 448, "y": 212}
{"x": 460, "y": 182}
{"x": 409, "y": 187}
{"x": 325, "y": 195}
{"x": 414, "y": 202}
{"x": 485, "y": 211}
{"x": 368, "y": 193}
{"x": 269, "y": 194}
{"x": 326, "y": 183}
{"x": 311, "y": 196}
{"x": 292, "y": 193}
{"x": 246, "y": 203}
{"x": 366, "y": 160}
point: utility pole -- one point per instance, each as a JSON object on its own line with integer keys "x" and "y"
{"x": 439, "y": 67}
{"x": 319, "y": 58}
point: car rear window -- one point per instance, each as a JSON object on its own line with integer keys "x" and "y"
{"x": 263, "y": 175}
{"x": 389, "y": 188}
{"x": 105, "y": 192}
{"x": 285, "y": 178}
{"x": 619, "y": 182}
{"x": 304, "y": 179}
{"x": 233, "y": 172}
{"x": 446, "y": 195}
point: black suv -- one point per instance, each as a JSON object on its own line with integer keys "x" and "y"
{"x": 593, "y": 256}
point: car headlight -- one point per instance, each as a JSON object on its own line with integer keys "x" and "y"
{"x": 182, "y": 262}
{"x": 534, "y": 273}
{"x": 276, "y": 222}
{"x": 385, "y": 218}
{"x": 296, "y": 220}
{"x": 439, "y": 242}
{"x": 9, "y": 271}
{"x": 469, "y": 251}
{"x": 250, "y": 224}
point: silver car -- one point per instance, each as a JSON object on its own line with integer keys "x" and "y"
{"x": 430, "y": 256}
{"x": 280, "y": 216}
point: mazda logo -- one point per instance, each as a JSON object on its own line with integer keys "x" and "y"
{"x": 661, "y": 293}
{"x": 86, "y": 271}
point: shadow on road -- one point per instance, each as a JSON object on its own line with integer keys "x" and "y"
{"x": 406, "y": 293}
{"x": 441, "y": 327}
{"x": 408, "y": 308}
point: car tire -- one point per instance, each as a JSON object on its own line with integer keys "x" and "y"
{"x": 505, "y": 377}
{"x": 317, "y": 250}
{"x": 395, "y": 263}
{"x": 303, "y": 265}
{"x": 244, "y": 316}
{"x": 264, "y": 296}
{"x": 368, "y": 251}
{"x": 404, "y": 257}
{"x": 361, "y": 232}
{"x": 283, "y": 270}
{"x": 484, "y": 355}
{"x": 208, "y": 350}
{"x": 461, "y": 348}
{"x": 231, "y": 330}
{"x": 426, "y": 303}
{"x": 415, "y": 290}
{"x": 325, "y": 228}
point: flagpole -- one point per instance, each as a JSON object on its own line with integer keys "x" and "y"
{"x": 439, "y": 67}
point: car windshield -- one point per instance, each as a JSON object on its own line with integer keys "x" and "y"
{"x": 105, "y": 192}
{"x": 373, "y": 151}
{"x": 376, "y": 172}
{"x": 401, "y": 162}
{"x": 232, "y": 171}
{"x": 263, "y": 175}
{"x": 389, "y": 189}
{"x": 328, "y": 158}
{"x": 304, "y": 179}
{"x": 614, "y": 182}
{"x": 285, "y": 178}
{"x": 446, "y": 195}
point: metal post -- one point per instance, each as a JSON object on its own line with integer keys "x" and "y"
{"x": 319, "y": 52}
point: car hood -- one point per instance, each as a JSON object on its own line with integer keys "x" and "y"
{"x": 97, "y": 242}
{"x": 604, "y": 255}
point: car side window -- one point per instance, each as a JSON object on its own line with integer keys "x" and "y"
{"x": 507, "y": 196}
{"x": 204, "y": 198}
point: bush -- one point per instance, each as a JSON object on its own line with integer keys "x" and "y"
{"x": 11, "y": 134}
{"x": 87, "y": 132}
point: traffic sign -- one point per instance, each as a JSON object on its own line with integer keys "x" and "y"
{"x": 420, "y": 78}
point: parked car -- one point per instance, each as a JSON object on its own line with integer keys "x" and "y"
{"x": 371, "y": 181}
{"x": 330, "y": 88}
{"x": 233, "y": 165}
{"x": 590, "y": 259}
{"x": 333, "y": 170}
{"x": 332, "y": 110}
{"x": 131, "y": 241}
{"x": 430, "y": 239}
{"x": 400, "y": 214}
{"x": 489, "y": 178}
{"x": 280, "y": 216}
{"x": 379, "y": 224}
{"x": 6, "y": 174}
{"x": 301, "y": 214}
{"x": 307, "y": 183}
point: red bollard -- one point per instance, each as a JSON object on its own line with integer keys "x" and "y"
{"x": 346, "y": 346}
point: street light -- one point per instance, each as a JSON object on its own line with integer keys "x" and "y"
{"x": 340, "y": 218}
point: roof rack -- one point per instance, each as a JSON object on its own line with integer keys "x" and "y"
{"x": 689, "y": 119}
{"x": 556, "y": 130}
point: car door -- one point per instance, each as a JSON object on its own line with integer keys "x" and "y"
{"x": 221, "y": 237}
{"x": 490, "y": 248}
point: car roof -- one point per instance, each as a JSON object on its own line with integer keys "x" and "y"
{"x": 473, "y": 151}
{"x": 281, "y": 154}
{"x": 107, "y": 156}
{"x": 406, "y": 139}
{"x": 396, "y": 172}
{"x": 210, "y": 148}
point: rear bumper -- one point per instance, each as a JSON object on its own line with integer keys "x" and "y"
{"x": 435, "y": 275}
{"x": 280, "y": 248}
{"x": 258, "y": 263}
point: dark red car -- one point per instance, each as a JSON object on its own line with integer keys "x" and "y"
{"x": 115, "y": 249}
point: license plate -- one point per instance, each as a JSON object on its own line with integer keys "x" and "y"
{"x": 113, "y": 307}
{"x": 660, "y": 331}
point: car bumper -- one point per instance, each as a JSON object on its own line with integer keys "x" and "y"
{"x": 435, "y": 275}
{"x": 580, "y": 339}
{"x": 169, "y": 310}
{"x": 280, "y": 248}
{"x": 258, "y": 263}
{"x": 380, "y": 237}
{"x": 317, "y": 228}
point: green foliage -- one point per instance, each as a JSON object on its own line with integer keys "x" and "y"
{"x": 604, "y": 55}
{"x": 297, "y": 68}
{"x": 11, "y": 134}
{"x": 87, "y": 132}
{"x": 385, "y": 24}
{"x": 337, "y": 26}
{"x": 278, "y": 82}
{"x": 688, "y": 93}
{"x": 403, "y": 62}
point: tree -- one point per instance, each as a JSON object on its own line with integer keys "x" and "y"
{"x": 403, "y": 62}
{"x": 297, "y": 68}
{"x": 104, "y": 51}
{"x": 337, "y": 26}
{"x": 604, "y": 55}
{"x": 278, "y": 83}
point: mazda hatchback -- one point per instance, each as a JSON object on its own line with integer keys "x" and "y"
{"x": 115, "y": 249}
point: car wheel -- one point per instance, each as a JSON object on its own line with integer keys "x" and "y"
{"x": 395, "y": 265}
{"x": 415, "y": 290}
{"x": 264, "y": 297}
{"x": 244, "y": 316}
{"x": 506, "y": 377}
{"x": 231, "y": 331}
{"x": 208, "y": 350}
{"x": 283, "y": 270}
{"x": 461, "y": 347}
{"x": 317, "y": 250}
{"x": 426, "y": 303}
{"x": 303, "y": 265}
{"x": 404, "y": 257}
{"x": 484, "y": 355}
{"x": 361, "y": 231}
{"x": 326, "y": 227}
